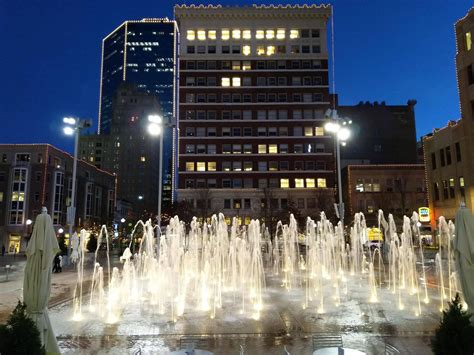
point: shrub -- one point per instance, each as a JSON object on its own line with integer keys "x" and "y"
{"x": 455, "y": 334}
{"x": 20, "y": 335}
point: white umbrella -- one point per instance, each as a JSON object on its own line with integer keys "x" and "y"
{"x": 42, "y": 248}
{"x": 464, "y": 253}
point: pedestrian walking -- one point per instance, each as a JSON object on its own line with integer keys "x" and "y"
{"x": 60, "y": 263}
{"x": 3, "y": 249}
{"x": 56, "y": 264}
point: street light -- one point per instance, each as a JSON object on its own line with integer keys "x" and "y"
{"x": 28, "y": 222}
{"x": 155, "y": 128}
{"x": 73, "y": 127}
{"x": 337, "y": 126}
{"x": 60, "y": 231}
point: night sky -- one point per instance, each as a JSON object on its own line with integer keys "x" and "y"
{"x": 385, "y": 51}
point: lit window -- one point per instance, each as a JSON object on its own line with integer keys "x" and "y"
{"x": 248, "y": 166}
{"x": 294, "y": 34}
{"x": 321, "y": 182}
{"x": 468, "y": 41}
{"x": 260, "y": 50}
{"x": 320, "y": 131}
{"x": 280, "y": 34}
{"x": 211, "y": 166}
{"x": 190, "y": 166}
{"x": 236, "y": 34}
{"x": 236, "y": 65}
{"x": 236, "y": 81}
{"x": 201, "y": 35}
{"x": 246, "y": 50}
{"x": 246, "y": 34}
{"x": 211, "y": 34}
{"x": 225, "y": 81}
{"x": 260, "y": 34}
{"x": 270, "y": 50}
{"x": 262, "y": 149}
{"x": 225, "y": 35}
{"x": 142, "y": 158}
{"x": 308, "y": 131}
{"x": 284, "y": 183}
{"x": 246, "y": 64}
{"x": 299, "y": 182}
{"x": 310, "y": 182}
{"x": 201, "y": 166}
{"x": 190, "y": 35}
{"x": 272, "y": 149}
{"x": 269, "y": 34}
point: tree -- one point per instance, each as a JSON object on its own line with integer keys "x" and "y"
{"x": 20, "y": 335}
{"x": 455, "y": 334}
{"x": 62, "y": 244}
{"x": 92, "y": 243}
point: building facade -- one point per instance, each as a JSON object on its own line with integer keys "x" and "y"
{"x": 398, "y": 189}
{"x": 253, "y": 93}
{"x": 129, "y": 151}
{"x": 37, "y": 175}
{"x": 380, "y": 134}
{"x": 449, "y": 151}
{"x": 144, "y": 53}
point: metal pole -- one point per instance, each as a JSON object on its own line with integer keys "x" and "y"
{"x": 73, "y": 193}
{"x": 160, "y": 179}
{"x": 339, "y": 180}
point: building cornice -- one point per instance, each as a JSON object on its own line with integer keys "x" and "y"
{"x": 255, "y": 11}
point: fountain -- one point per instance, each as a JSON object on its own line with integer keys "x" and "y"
{"x": 241, "y": 275}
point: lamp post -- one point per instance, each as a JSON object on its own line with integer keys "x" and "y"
{"x": 341, "y": 134}
{"x": 73, "y": 127}
{"x": 155, "y": 128}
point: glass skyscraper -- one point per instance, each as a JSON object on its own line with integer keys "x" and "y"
{"x": 143, "y": 53}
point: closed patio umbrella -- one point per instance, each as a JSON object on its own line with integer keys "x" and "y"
{"x": 464, "y": 253}
{"x": 40, "y": 253}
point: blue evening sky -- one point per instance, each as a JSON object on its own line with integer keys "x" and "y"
{"x": 385, "y": 51}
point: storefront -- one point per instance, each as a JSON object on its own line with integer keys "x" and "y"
{"x": 14, "y": 244}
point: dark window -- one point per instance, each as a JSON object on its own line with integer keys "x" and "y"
{"x": 304, "y": 33}
{"x": 190, "y": 49}
{"x": 442, "y": 158}
{"x": 304, "y": 49}
{"x": 247, "y": 203}
{"x": 189, "y": 184}
{"x": 227, "y": 203}
{"x": 445, "y": 189}
{"x": 201, "y": 49}
{"x": 448, "y": 155}
{"x": 451, "y": 188}
{"x": 190, "y": 65}
{"x": 225, "y": 49}
{"x": 458, "y": 151}
{"x": 433, "y": 161}
{"x": 315, "y": 33}
{"x": 211, "y": 49}
{"x": 470, "y": 75}
{"x": 316, "y": 49}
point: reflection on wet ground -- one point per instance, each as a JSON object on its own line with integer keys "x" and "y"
{"x": 363, "y": 325}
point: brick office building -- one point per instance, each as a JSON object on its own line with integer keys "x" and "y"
{"x": 37, "y": 175}
{"x": 253, "y": 93}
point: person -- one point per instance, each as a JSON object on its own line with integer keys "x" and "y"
{"x": 60, "y": 264}
{"x": 3, "y": 249}
{"x": 56, "y": 263}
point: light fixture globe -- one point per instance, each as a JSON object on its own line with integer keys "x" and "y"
{"x": 28, "y": 222}
{"x": 69, "y": 131}
{"x": 344, "y": 134}
{"x": 155, "y": 119}
{"x": 154, "y": 129}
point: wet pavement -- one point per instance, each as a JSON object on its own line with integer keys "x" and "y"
{"x": 363, "y": 326}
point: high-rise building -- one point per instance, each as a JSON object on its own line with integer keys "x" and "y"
{"x": 129, "y": 151}
{"x": 144, "y": 53}
{"x": 253, "y": 94}
{"x": 449, "y": 151}
{"x": 37, "y": 175}
{"x": 380, "y": 133}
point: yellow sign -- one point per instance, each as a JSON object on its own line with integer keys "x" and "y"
{"x": 374, "y": 234}
{"x": 424, "y": 214}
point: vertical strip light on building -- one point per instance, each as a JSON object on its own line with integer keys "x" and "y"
{"x": 124, "y": 77}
